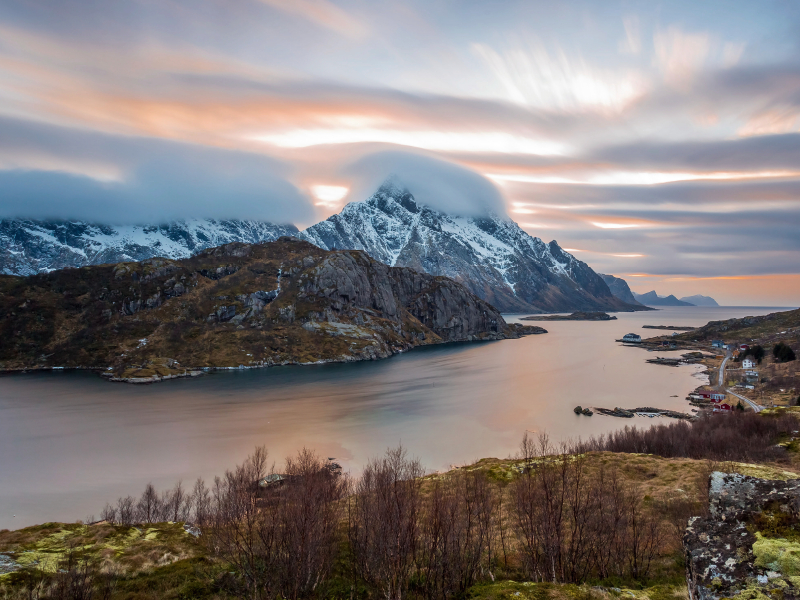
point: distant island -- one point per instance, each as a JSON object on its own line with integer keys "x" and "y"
{"x": 700, "y": 300}
{"x": 576, "y": 316}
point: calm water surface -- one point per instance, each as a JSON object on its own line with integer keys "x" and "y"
{"x": 70, "y": 441}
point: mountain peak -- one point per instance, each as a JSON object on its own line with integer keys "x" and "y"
{"x": 490, "y": 254}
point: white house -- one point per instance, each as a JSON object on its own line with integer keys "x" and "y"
{"x": 632, "y": 338}
{"x": 749, "y": 363}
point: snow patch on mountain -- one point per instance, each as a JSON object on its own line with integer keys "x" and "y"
{"x": 29, "y": 246}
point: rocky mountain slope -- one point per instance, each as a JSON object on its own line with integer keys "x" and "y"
{"x": 28, "y": 247}
{"x": 239, "y": 304}
{"x": 491, "y": 255}
{"x": 653, "y": 299}
{"x": 619, "y": 287}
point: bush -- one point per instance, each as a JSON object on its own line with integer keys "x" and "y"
{"x": 738, "y": 436}
{"x": 757, "y": 352}
{"x": 783, "y": 353}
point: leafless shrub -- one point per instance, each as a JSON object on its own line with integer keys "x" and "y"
{"x": 126, "y": 511}
{"x": 735, "y": 436}
{"x": 238, "y": 530}
{"x": 201, "y": 503}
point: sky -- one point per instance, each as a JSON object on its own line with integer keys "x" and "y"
{"x": 657, "y": 141}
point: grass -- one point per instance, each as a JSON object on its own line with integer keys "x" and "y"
{"x": 513, "y": 590}
{"x": 130, "y": 549}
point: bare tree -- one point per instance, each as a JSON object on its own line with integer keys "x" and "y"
{"x": 456, "y": 534}
{"x": 384, "y": 522}
{"x": 201, "y": 502}
{"x": 238, "y": 532}
{"x": 148, "y": 509}
{"x": 306, "y": 511}
{"x": 126, "y": 510}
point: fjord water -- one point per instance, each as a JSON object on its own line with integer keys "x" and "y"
{"x": 70, "y": 441}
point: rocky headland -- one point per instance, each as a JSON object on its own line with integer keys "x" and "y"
{"x": 234, "y": 306}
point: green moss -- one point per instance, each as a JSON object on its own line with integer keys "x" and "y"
{"x": 777, "y": 554}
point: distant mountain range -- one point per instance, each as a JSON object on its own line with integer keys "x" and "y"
{"x": 653, "y": 299}
{"x": 619, "y": 287}
{"x": 490, "y": 255}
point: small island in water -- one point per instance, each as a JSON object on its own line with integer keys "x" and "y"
{"x": 576, "y": 316}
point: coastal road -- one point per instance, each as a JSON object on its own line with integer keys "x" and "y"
{"x": 721, "y": 379}
{"x": 753, "y": 405}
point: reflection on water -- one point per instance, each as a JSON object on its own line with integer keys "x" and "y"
{"x": 70, "y": 441}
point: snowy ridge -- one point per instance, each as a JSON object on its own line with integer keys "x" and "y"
{"x": 28, "y": 247}
{"x": 491, "y": 255}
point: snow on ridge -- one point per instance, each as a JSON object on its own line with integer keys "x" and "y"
{"x": 28, "y": 247}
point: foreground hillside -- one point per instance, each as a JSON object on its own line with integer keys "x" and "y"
{"x": 483, "y": 552}
{"x": 240, "y": 304}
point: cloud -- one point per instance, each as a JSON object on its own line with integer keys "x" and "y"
{"x": 323, "y": 13}
{"x": 442, "y": 185}
{"x": 632, "y": 44}
{"x": 532, "y": 76}
{"x": 680, "y": 55}
{"x": 150, "y": 180}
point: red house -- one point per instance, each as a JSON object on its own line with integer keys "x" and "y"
{"x": 722, "y": 407}
{"x": 713, "y": 396}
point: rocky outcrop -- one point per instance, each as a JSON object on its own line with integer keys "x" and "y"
{"x": 748, "y": 545}
{"x": 237, "y": 305}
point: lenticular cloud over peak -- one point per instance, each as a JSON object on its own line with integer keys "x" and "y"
{"x": 439, "y": 184}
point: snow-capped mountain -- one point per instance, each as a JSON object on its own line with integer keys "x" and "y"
{"x": 28, "y": 247}
{"x": 492, "y": 256}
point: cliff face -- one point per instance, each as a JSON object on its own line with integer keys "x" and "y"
{"x": 240, "y": 304}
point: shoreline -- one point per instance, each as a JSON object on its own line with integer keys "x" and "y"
{"x": 192, "y": 372}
